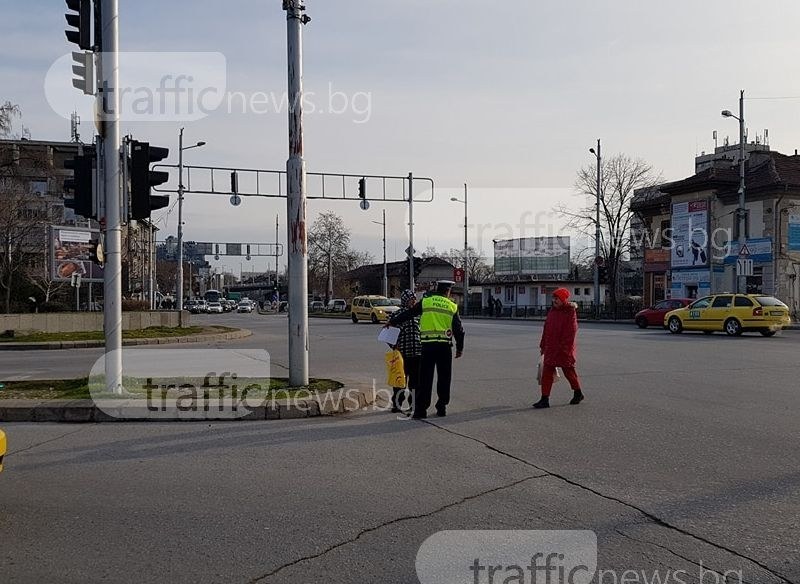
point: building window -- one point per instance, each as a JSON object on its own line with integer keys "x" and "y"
{"x": 509, "y": 293}
{"x": 586, "y": 291}
{"x": 577, "y": 291}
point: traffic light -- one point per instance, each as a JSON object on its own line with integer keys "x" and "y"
{"x": 79, "y": 18}
{"x": 142, "y": 179}
{"x": 362, "y": 188}
{"x": 84, "y": 71}
{"x": 81, "y": 184}
{"x": 602, "y": 274}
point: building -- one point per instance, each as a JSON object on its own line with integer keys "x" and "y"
{"x": 690, "y": 245}
{"x": 369, "y": 279}
{"x": 36, "y": 169}
{"x": 532, "y": 294}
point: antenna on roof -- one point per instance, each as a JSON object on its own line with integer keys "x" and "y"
{"x": 766, "y": 137}
{"x": 715, "y": 139}
{"x": 74, "y": 123}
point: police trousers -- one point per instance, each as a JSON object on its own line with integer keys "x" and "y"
{"x": 438, "y": 358}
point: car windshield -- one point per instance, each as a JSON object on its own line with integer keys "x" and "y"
{"x": 381, "y": 302}
{"x": 769, "y": 301}
{"x": 702, "y": 303}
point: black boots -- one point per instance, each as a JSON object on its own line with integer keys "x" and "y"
{"x": 577, "y": 398}
{"x": 542, "y": 403}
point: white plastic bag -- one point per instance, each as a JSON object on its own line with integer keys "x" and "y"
{"x": 556, "y": 377}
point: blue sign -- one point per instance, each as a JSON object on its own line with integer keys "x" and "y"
{"x": 794, "y": 232}
{"x": 760, "y": 250}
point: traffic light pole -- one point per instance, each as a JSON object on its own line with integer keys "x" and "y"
{"x": 411, "y": 280}
{"x": 597, "y": 238}
{"x": 296, "y": 200}
{"x": 112, "y": 279}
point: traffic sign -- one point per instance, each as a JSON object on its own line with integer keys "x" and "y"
{"x": 744, "y": 252}
{"x": 458, "y": 275}
{"x": 410, "y": 251}
{"x": 236, "y": 200}
{"x": 364, "y": 204}
{"x": 744, "y": 267}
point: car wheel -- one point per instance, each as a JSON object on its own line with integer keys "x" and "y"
{"x": 675, "y": 325}
{"x": 733, "y": 327}
{"x": 354, "y": 318}
{"x": 768, "y": 333}
{"x": 374, "y": 318}
{"x": 641, "y": 322}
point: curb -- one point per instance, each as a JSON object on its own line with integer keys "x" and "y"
{"x": 53, "y": 345}
{"x": 87, "y": 411}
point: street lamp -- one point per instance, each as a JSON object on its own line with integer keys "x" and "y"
{"x": 466, "y": 250}
{"x": 741, "y": 281}
{"x": 597, "y": 259}
{"x": 385, "y": 272}
{"x": 179, "y": 286}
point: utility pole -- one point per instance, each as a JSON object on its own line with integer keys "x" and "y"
{"x": 296, "y": 199}
{"x": 411, "y": 282}
{"x": 741, "y": 283}
{"x": 466, "y": 256}
{"x": 110, "y": 126}
{"x": 597, "y": 257}
{"x": 179, "y": 282}
{"x": 277, "y": 285}
{"x": 385, "y": 271}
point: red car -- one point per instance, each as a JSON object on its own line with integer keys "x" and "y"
{"x": 654, "y": 316}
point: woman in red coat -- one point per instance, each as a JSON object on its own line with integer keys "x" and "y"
{"x": 558, "y": 347}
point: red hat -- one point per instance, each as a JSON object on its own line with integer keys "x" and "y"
{"x": 562, "y": 294}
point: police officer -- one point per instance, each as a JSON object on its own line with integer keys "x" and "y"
{"x": 439, "y": 324}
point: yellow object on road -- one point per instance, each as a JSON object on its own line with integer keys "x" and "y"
{"x": 731, "y": 313}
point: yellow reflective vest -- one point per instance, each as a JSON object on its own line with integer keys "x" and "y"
{"x": 436, "y": 323}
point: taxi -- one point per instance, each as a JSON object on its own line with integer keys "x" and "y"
{"x": 373, "y": 308}
{"x": 731, "y": 313}
{"x": 2, "y": 449}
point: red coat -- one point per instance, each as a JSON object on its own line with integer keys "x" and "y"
{"x": 558, "y": 336}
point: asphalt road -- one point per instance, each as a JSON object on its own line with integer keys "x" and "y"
{"x": 684, "y": 454}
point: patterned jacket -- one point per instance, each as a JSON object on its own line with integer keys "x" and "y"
{"x": 408, "y": 342}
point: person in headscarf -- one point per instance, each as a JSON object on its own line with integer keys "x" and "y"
{"x": 558, "y": 347}
{"x": 409, "y": 345}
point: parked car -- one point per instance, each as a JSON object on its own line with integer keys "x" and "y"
{"x": 245, "y": 306}
{"x": 732, "y": 313}
{"x": 373, "y": 308}
{"x": 214, "y": 307}
{"x": 337, "y": 305}
{"x": 2, "y": 449}
{"x": 654, "y": 316}
{"x": 316, "y": 306}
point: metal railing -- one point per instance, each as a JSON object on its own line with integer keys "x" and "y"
{"x": 586, "y": 311}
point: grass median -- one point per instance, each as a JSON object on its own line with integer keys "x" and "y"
{"x": 72, "y": 389}
{"x": 154, "y": 332}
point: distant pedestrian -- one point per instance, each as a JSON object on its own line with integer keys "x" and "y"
{"x": 439, "y": 326}
{"x": 557, "y": 346}
{"x": 498, "y": 307}
{"x": 409, "y": 345}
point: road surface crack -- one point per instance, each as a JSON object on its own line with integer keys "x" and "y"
{"x": 652, "y": 517}
{"x": 369, "y": 530}
{"x": 13, "y": 452}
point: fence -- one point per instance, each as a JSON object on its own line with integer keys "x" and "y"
{"x": 625, "y": 310}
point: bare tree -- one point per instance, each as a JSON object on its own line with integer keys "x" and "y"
{"x": 41, "y": 277}
{"x": 8, "y": 111}
{"x": 621, "y": 176}
{"x": 479, "y": 270}
{"x": 329, "y": 252}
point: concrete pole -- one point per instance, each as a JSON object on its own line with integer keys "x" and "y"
{"x": 112, "y": 282}
{"x": 597, "y": 236}
{"x": 179, "y": 282}
{"x": 277, "y": 285}
{"x": 296, "y": 200}
{"x": 741, "y": 284}
{"x": 411, "y": 282}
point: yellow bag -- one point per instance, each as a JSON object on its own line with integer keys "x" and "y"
{"x": 395, "y": 369}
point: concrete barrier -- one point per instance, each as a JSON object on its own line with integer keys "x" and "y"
{"x": 70, "y": 322}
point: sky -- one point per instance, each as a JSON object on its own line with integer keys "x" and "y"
{"x": 505, "y": 97}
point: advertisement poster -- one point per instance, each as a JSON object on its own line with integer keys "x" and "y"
{"x": 689, "y": 234}
{"x": 794, "y": 232}
{"x": 72, "y": 250}
{"x": 532, "y": 256}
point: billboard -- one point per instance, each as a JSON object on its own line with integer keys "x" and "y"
{"x": 689, "y": 235}
{"x": 71, "y": 252}
{"x": 532, "y": 256}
